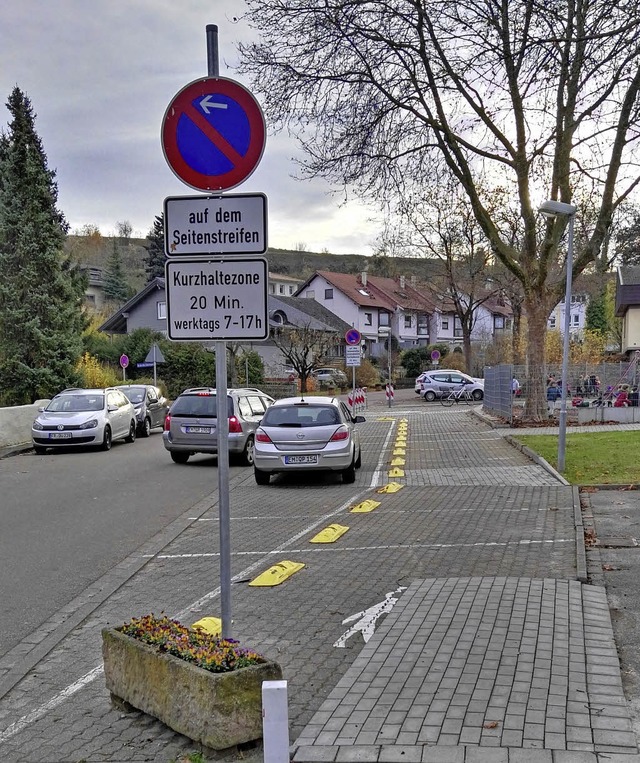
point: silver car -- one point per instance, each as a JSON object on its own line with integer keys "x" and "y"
{"x": 307, "y": 434}
{"x": 191, "y": 426}
{"x": 435, "y": 384}
{"x": 84, "y": 417}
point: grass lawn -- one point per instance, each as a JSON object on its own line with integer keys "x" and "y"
{"x": 593, "y": 458}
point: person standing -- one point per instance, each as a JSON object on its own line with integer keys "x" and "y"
{"x": 553, "y": 393}
{"x": 515, "y": 387}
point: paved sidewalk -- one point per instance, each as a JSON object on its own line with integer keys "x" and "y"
{"x": 502, "y": 655}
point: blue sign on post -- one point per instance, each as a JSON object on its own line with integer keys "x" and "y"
{"x": 352, "y": 337}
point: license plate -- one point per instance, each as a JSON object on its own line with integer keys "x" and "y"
{"x": 301, "y": 459}
{"x": 59, "y": 435}
{"x": 197, "y": 430}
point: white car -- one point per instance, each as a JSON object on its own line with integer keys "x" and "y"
{"x": 435, "y": 384}
{"x": 89, "y": 417}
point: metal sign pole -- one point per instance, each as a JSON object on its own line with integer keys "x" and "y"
{"x": 223, "y": 420}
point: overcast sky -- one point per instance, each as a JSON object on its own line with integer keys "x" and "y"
{"x": 100, "y": 75}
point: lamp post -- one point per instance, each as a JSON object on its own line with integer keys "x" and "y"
{"x": 554, "y": 209}
{"x": 386, "y": 331}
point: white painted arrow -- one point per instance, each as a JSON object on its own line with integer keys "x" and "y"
{"x": 367, "y": 618}
{"x": 206, "y": 103}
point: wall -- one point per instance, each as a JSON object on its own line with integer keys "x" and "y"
{"x": 15, "y": 423}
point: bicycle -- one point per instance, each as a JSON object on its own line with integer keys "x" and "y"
{"x": 456, "y": 396}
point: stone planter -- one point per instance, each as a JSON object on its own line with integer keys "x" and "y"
{"x": 219, "y": 710}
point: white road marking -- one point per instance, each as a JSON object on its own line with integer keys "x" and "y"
{"x": 367, "y": 618}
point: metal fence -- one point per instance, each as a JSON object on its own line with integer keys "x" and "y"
{"x": 497, "y": 391}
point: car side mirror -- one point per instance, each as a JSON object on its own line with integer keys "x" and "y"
{"x": 359, "y": 419}
{"x": 153, "y": 399}
{"x": 112, "y": 408}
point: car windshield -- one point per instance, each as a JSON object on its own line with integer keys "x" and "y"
{"x": 300, "y": 416}
{"x": 198, "y": 405}
{"x": 76, "y": 403}
{"x": 135, "y": 394}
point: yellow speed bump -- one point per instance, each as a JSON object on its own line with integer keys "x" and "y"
{"x": 398, "y": 462}
{"x": 403, "y": 428}
{"x": 401, "y": 442}
{"x": 400, "y": 452}
{"x": 385, "y": 418}
{"x": 329, "y": 534}
{"x": 365, "y": 507}
{"x": 395, "y": 472}
{"x": 210, "y": 625}
{"x": 391, "y": 487}
{"x": 404, "y": 421}
{"x": 277, "y": 574}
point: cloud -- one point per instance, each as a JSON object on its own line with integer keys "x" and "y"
{"x": 100, "y": 76}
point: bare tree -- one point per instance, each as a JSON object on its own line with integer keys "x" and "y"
{"x": 540, "y": 98}
{"x": 305, "y": 348}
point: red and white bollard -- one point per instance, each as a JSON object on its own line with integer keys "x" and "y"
{"x": 389, "y": 394}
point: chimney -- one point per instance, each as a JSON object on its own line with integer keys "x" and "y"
{"x": 363, "y": 277}
{"x": 402, "y": 282}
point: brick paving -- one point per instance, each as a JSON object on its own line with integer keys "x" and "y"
{"x": 478, "y": 547}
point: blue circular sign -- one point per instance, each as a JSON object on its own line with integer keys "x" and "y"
{"x": 352, "y": 337}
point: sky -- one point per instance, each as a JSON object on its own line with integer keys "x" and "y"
{"x": 100, "y": 75}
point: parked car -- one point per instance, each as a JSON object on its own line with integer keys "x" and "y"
{"x": 300, "y": 434}
{"x": 84, "y": 417}
{"x": 191, "y": 424}
{"x": 329, "y": 376}
{"x": 437, "y": 383}
{"x": 151, "y": 407}
{"x": 419, "y": 380}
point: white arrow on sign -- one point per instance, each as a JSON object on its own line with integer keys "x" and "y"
{"x": 206, "y": 103}
{"x": 367, "y": 618}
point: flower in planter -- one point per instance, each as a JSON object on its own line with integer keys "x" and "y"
{"x": 209, "y": 652}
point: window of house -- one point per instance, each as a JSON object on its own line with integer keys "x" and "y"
{"x": 162, "y": 310}
{"x": 575, "y": 319}
{"x": 368, "y": 319}
{"x": 384, "y": 319}
{"x": 407, "y": 321}
{"x": 281, "y": 288}
{"x": 328, "y": 293}
{"x": 552, "y": 322}
{"x": 310, "y": 294}
{"x": 498, "y": 322}
{"x": 291, "y": 290}
{"x": 445, "y": 324}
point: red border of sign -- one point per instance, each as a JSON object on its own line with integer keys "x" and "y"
{"x": 246, "y": 164}
{"x": 354, "y": 341}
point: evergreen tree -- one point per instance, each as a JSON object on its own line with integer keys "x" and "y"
{"x": 155, "y": 259}
{"x": 41, "y": 292}
{"x": 596, "y": 315}
{"x": 115, "y": 286}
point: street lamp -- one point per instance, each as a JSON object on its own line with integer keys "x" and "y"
{"x": 554, "y": 209}
{"x": 386, "y": 331}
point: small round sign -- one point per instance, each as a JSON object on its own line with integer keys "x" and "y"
{"x": 124, "y": 361}
{"x": 352, "y": 337}
{"x": 435, "y": 355}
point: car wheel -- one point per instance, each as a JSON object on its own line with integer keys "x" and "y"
{"x": 146, "y": 427}
{"x": 358, "y": 463}
{"x": 106, "y": 438}
{"x": 262, "y": 478}
{"x": 39, "y": 450}
{"x": 429, "y": 396}
{"x": 248, "y": 452}
{"x": 349, "y": 475}
{"x": 477, "y": 394}
{"x": 131, "y": 437}
{"x": 178, "y": 457}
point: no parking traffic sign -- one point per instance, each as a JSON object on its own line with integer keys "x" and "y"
{"x": 213, "y": 134}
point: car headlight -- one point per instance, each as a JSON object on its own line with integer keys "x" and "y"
{"x": 92, "y": 424}
{"x": 37, "y": 425}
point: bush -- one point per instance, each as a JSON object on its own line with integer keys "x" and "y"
{"x": 94, "y": 374}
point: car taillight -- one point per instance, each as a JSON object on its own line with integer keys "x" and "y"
{"x": 167, "y": 422}
{"x": 234, "y": 425}
{"x": 262, "y": 436}
{"x": 340, "y": 434}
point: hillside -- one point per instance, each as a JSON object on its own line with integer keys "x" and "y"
{"x": 94, "y": 251}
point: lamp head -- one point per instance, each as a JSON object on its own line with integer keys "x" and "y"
{"x": 554, "y": 208}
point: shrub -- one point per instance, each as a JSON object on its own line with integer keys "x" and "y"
{"x": 95, "y": 374}
{"x": 202, "y": 649}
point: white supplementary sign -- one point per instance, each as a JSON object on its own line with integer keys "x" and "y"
{"x": 221, "y": 299}
{"x": 365, "y": 620}
{"x": 203, "y": 225}
{"x": 352, "y": 355}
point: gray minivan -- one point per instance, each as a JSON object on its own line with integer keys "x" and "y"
{"x": 191, "y": 424}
